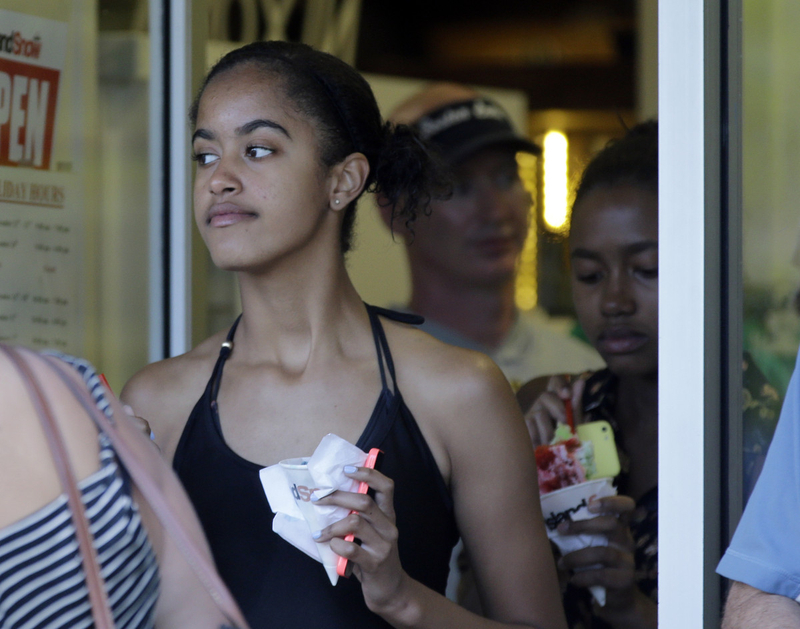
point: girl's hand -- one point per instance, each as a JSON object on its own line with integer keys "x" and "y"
{"x": 612, "y": 566}
{"x": 549, "y": 409}
{"x": 141, "y": 423}
{"x": 376, "y": 562}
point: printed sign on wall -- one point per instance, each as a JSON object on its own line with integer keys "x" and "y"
{"x": 39, "y": 228}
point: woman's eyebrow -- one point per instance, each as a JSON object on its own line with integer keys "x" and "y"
{"x": 203, "y": 134}
{"x": 639, "y": 247}
{"x": 259, "y": 123}
{"x": 245, "y": 129}
{"x": 632, "y": 249}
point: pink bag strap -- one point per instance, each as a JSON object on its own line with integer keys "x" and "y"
{"x": 153, "y": 494}
{"x": 101, "y": 612}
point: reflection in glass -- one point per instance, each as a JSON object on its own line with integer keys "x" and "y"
{"x": 771, "y": 136}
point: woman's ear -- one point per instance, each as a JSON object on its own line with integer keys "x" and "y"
{"x": 348, "y": 179}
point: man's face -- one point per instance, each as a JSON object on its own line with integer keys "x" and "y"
{"x": 476, "y": 237}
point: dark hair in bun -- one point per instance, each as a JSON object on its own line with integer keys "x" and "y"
{"x": 341, "y": 103}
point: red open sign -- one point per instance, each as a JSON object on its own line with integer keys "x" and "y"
{"x": 28, "y": 96}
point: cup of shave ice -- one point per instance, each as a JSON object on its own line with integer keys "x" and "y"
{"x": 567, "y": 473}
{"x": 572, "y": 503}
{"x": 302, "y": 486}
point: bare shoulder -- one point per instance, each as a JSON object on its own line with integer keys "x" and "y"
{"x": 430, "y": 369}
{"x": 164, "y": 393}
{"x": 459, "y": 397}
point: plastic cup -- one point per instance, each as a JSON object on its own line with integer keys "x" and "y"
{"x": 301, "y": 484}
{"x": 572, "y": 503}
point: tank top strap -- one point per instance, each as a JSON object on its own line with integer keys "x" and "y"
{"x": 381, "y": 344}
{"x": 224, "y": 351}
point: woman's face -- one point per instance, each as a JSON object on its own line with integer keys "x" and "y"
{"x": 613, "y": 247}
{"x": 260, "y": 191}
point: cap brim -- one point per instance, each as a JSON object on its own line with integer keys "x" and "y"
{"x": 502, "y": 139}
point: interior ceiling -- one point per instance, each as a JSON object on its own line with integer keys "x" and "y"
{"x": 565, "y": 54}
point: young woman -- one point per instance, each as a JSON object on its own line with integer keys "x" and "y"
{"x": 286, "y": 140}
{"x": 143, "y": 573}
{"x": 613, "y": 245}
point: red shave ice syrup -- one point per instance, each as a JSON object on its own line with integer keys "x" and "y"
{"x": 558, "y": 466}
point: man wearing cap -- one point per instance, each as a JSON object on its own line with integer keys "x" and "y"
{"x": 463, "y": 257}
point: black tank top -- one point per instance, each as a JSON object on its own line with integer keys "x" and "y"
{"x": 276, "y": 584}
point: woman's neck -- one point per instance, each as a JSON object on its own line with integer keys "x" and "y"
{"x": 290, "y": 315}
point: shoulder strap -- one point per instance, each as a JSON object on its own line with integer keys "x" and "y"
{"x": 403, "y": 317}
{"x": 153, "y": 494}
{"x": 380, "y": 337}
{"x": 98, "y": 599}
{"x": 377, "y": 330}
{"x": 224, "y": 351}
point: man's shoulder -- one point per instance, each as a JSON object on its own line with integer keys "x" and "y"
{"x": 537, "y": 346}
{"x": 443, "y": 333}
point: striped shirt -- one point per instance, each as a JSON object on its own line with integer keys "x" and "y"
{"x": 42, "y": 583}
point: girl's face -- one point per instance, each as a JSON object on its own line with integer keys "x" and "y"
{"x": 261, "y": 192}
{"x": 613, "y": 247}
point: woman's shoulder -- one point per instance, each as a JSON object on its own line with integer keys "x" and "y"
{"x": 163, "y": 393}
{"x": 174, "y": 374}
{"x": 459, "y": 397}
{"x": 448, "y": 388}
{"x": 441, "y": 367}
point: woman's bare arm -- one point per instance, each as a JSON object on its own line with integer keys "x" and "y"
{"x": 494, "y": 486}
{"x": 470, "y": 410}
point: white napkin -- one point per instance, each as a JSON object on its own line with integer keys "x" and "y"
{"x": 326, "y": 468}
{"x": 570, "y": 543}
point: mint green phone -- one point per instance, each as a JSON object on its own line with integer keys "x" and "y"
{"x": 601, "y": 435}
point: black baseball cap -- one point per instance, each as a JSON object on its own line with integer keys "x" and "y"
{"x": 462, "y": 128}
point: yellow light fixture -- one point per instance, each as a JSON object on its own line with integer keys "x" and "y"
{"x": 556, "y": 208}
{"x": 526, "y": 293}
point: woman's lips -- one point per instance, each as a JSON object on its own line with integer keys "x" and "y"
{"x": 227, "y": 214}
{"x": 621, "y": 341}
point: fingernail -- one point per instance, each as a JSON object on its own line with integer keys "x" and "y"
{"x": 563, "y": 527}
{"x": 594, "y": 506}
{"x": 350, "y": 469}
{"x": 316, "y": 534}
{"x": 314, "y": 497}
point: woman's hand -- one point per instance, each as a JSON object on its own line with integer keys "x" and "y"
{"x": 376, "y": 562}
{"x": 549, "y": 409}
{"x": 141, "y": 423}
{"x": 612, "y": 566}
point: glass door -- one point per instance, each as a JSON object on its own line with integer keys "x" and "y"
{"x": 74, "y": 223}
